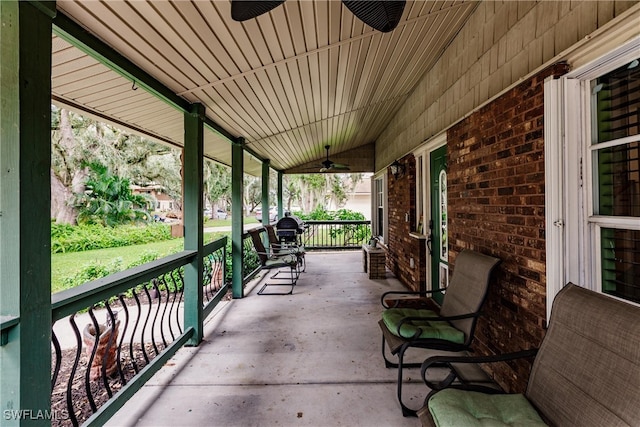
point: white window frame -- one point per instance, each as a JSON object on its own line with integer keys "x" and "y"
{"x": 422, "y": 154}
{"x": 381, "y": 234}
{"x": 572, "y": 229}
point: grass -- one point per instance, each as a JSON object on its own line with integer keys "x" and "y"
{"x": 67, "y": 264}
{"x": 227, "y": 222}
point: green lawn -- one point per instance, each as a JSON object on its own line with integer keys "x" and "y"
{"x": 227, "y": 222}
{"x": 67, "y": 264}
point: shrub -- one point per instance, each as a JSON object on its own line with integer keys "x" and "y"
{"x": 68, "y": 238}
{"x": 96, "y": 270}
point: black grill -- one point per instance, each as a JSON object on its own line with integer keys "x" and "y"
{"x": 289, "y": 227}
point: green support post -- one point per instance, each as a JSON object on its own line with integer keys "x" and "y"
{"x": 280, "y": 205}
{"x": 192, "y": 168}
{"x": 265, "y": 194}
{"x": 237, "y": 213}
{"x": 25, "y": 210}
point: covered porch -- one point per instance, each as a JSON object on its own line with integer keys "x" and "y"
{"x": 490, "y": 83}
{"x": 311, "y": 358}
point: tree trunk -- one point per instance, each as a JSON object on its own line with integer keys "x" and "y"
{"x": 60, "y": 208}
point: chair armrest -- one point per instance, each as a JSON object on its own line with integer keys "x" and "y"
{"x": 384, "y": 295}
{"x": 448, "y": 361}
{"x": 433, "y": 318}
{"x": 272, "y": 255}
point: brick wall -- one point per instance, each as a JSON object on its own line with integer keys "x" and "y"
{"x": 402, "y": 247}
{"x": 496, "y": 206}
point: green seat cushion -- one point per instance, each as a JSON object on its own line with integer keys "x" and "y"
{"x": 286, "y": 260}
{"x": 428, "y": 328}
{"x": 454, "y": 408}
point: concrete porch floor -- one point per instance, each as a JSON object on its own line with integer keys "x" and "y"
{"x": 307, "y": 359}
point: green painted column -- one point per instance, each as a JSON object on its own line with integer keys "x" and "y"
{"x": 237, "y": 215}
{"x": 192, "y": 216}
{"x": 280, "y": 204}
{"x": 265, "y": 192}
{"x": 25, "y": 211}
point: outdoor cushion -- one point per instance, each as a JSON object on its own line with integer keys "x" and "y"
{"x": 286, "y": 260}
{"x": 429, "y": 328}
{"x": 454, "y": 408}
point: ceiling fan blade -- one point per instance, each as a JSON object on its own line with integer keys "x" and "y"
{"x": 381, "y": 15}
{"x": 242, "y": 10}
{"x": 338, "y": 166}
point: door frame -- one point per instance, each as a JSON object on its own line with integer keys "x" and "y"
{"x": 438, "y": 260}
{"x": 423, "y": 190}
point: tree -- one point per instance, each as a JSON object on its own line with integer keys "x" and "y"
{"x": 323, "y": 191}
{"x": 77, "y": 141}
{"x": 67, "y": 172}
{"x": 109, "y": 200}
{"x": 252, "y": 193}
{"x": 217, "y": 185}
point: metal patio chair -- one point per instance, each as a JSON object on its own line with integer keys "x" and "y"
{"x": 282, "y": 260}
{"x": 451, "y": 328}
{"x": 279, "y": 246}
{"x": 585, "y": 373}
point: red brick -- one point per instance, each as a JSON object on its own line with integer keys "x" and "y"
{"x": 512, "y": 227}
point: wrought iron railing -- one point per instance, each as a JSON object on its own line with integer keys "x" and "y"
{"x": 215, "y": 284}
{"x": 336, "y": 234}
{"x": 112, "y": 334}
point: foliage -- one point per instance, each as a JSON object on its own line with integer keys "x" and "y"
{"x": 252, "y": 196}
{"x": 321, "y": 214}
{"x": 349, "y": 215}
{"x": 312, "y": 191}
{"x": 65, "y": 265}
{"x": 217, "y": 185}
{"x": 69, "y": 238}
{"x": 347, "y": 233}
{"x": 96, "y": 270}
{"x": 77, "y": 141}
{"x": 93, "y": 271}
{"x": 109, "y": 200}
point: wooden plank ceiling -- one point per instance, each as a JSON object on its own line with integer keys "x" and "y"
{"x": 305, "y": 75}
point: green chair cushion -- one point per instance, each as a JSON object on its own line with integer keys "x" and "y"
{"x": 454, "y": 408}
{"x": 429, "y": 328}
{"x": 285, "y": 261}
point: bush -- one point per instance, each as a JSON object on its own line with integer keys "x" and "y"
{"x": 96, "y": 270}
{"x": 321, "y": 214}
{"x": 68, "y": 238}
{"x": 349, "y": 234}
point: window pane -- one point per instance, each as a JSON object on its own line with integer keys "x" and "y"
{"x": 619, "y": 180}
{"x": 444, "y": 244}
{"x": 617, "y": 106}
{"x": 621, "y": 263}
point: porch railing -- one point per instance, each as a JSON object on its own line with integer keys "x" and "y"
{"x": 112, "y": 334}
{"x": 336, "y": 234}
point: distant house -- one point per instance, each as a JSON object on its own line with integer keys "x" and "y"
{"x": 360, "y": 198}
{"x": 161, "y": 201}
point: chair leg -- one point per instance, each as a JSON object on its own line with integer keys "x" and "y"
{"x": 292, "y": 283}
{"x": 406, "y": 411}
{"x": 387, "y": 362}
